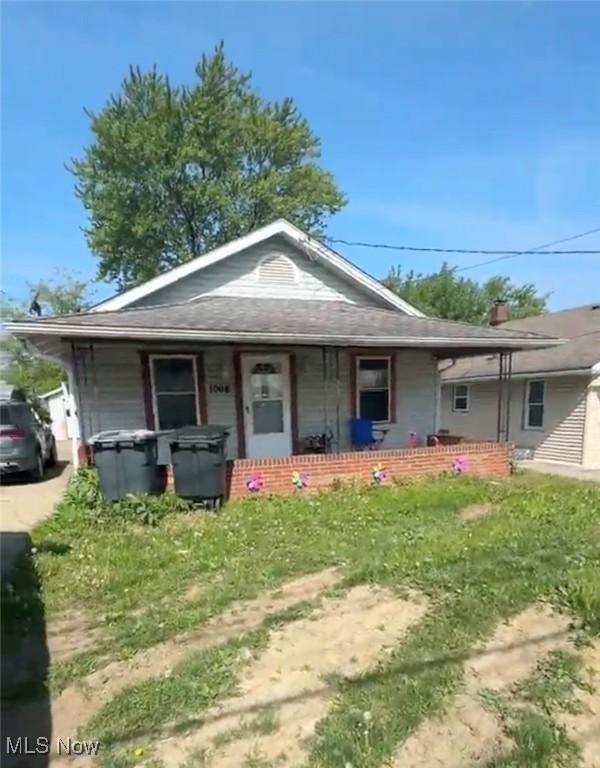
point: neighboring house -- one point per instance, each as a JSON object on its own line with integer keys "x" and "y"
{"x": 554, "y": 396}
{"x": 275, "y": 336}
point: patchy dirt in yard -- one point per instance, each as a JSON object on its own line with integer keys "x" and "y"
{"x": 78, "y": 703}
{"x": 70, "y": 634}
{"x": 476, "y": 511}
{"x": 346, "y": 636}
{"x": 467, "y": 733}
{"x": 193, "y": 593}
{"x": 584, "y": 726}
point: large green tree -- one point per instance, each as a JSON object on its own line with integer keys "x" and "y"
{"x": 174, "y": 171}
{"x": 450, "y": 296}
{"x": 21, "y": 367}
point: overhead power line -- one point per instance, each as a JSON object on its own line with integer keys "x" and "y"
{"x": 537, "y": 249}
{"x": 506, "y": 254}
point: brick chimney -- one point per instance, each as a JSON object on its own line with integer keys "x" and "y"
{"x": 498, "y": 312}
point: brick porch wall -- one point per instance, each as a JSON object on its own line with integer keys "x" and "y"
{"x": 481, "y": 459}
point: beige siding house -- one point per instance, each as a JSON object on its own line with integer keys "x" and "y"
{"x": 554, "y": 393}
{"x": 273, "y": 335}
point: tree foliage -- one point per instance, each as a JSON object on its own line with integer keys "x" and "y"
{"x": 447, "y": 295}
{"x": 174, "y": 171}
{"x": 21, "y": 367}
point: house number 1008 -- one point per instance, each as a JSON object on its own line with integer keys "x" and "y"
{"x": 219, "y": 389}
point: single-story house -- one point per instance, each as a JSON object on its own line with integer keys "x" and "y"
{"x": 274, "y": 335}
{"x": 554, "y": 394}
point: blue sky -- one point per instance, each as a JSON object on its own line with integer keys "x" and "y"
{"x": 454, "y": 125}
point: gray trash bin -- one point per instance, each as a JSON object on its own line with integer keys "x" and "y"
{"x": 199, "y": 463}
{"x": 126, "y": 463}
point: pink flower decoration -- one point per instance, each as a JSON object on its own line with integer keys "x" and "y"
{"x": 459, "y": 464}
{"x": 254, "y": 483}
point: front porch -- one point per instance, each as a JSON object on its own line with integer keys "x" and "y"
{"x": 273, "y": 400}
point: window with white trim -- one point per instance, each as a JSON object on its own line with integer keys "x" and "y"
{"x": 460, "y": 398}
{"x": 534, "y": 404}
{"x": 374, "y": 388}
{"x": 174, "y": 391}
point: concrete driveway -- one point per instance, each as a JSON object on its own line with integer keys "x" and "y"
{"x": 565, "y": 470}
{"x": 23, "y": 504}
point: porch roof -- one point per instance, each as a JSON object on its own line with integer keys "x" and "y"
{"x": 278, "y": 321}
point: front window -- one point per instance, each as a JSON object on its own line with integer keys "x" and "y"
{"x": 175, "y": 391}
{"x": 373, "y": 390}
{"x": 534, "y": 406}
{"x": 460, "y": 398}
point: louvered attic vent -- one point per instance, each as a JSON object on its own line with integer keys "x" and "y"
{"x": 277, "y": 270}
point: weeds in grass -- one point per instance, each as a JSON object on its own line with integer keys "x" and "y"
{"x": 255, "y": 545}
{"x": 553, "y": 688}
{"x": 527, "y": 714}
{"x": 198, "y": 759}
{"x": 256, "y": 760}
{"x": 541, "y": 543}
{"x": 264, "y": 723}
{"x": 191, "y": 688}
{"x": 539, "y": 742}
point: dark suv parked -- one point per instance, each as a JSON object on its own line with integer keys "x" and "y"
{"x": 26, "y": 442}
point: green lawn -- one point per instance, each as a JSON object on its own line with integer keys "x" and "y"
{"x": 542, "y": 542}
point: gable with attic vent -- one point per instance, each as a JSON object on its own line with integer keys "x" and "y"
{"x": 272, "y": 269}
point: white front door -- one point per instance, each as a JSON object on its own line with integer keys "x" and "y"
{"x": 267, "y": 415}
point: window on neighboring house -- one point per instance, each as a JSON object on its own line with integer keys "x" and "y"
{"x": 373, "y": 388}
{"x": 534, "y": 405}
{"x": 460, "y": 398}
{"x": 175, "y": 391}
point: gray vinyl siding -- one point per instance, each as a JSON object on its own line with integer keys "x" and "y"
{"x": 320, "y": 403}
{"x": 416, "y": 391}
{"x": 110, "y": 392}
{"x": 109, "y": 388}
{"x": 591, "y": 440}
{"x": 564, "y": 422}
{"x": 480, "y": 420}
{"x": 560, "y": 438}
{"x": 218, "y": 369}
{"x": 238, "y": 276}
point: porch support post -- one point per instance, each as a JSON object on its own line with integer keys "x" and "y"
{"x": 239, "y": 404}
{"x": 147, "y": 390}
{"x": 294, "y": 402}
{"x": 499, "y": 397}
{"x": 337, "y": 400}
{"x": 325, "y": 388}
{"x": 504, "y": 387}
{"x": 74, "y": 410}
{"x": 508, "y": 395}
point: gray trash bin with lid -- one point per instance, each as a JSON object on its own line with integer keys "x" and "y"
{"x": 126, "y": 460}
{"x": 199, "y": 463}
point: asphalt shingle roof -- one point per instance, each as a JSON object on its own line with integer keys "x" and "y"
{"x": 299, "y": 319}
{"x": 580, "y": 326}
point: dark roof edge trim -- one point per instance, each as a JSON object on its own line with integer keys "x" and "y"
{"x": 548, "y": 373}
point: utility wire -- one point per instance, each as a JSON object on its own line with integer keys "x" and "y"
{"x": 537, "y": 249}
{"x": 503, "y": 254}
